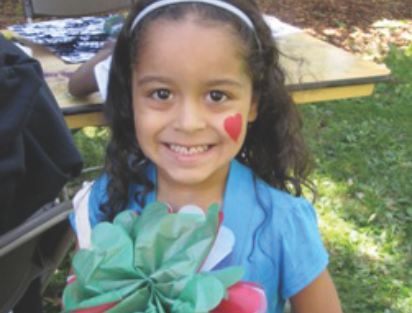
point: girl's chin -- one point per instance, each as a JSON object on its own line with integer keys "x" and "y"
{"x": 188, "y": 178}
{"x": 201, "y": 176}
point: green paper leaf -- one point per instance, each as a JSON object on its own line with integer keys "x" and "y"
{"x": 229, "y": 276}
{"x": 135, "y": 302}
{"x": 203, "y": 293}
{"x": 126, "y": 221}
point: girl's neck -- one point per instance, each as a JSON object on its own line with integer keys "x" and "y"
{"x": 202, "y": 195}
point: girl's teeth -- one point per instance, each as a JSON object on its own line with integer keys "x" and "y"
{"x": 188, "y": 151}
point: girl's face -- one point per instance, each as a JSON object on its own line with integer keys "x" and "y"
{"x": 192, "y": 100}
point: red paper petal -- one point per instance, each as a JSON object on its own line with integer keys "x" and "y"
{"x": 96, "y": 309}
{"x": 243, "y": 298}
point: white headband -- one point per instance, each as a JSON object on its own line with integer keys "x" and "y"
{"x": 217, "y": 3}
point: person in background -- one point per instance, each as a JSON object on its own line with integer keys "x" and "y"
{"x": 92, "y": 76}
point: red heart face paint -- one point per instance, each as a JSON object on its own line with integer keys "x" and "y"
{"x": 233, "y": 126}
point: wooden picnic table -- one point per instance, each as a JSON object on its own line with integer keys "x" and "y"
{"x": 317, "y": 71}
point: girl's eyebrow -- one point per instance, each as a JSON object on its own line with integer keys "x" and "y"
{"x": 226, "y": 82}
{"x": 213, "y": 83}
{"x": 153, "y": 79}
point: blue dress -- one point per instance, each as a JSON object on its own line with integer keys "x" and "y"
{"x": 284, "y": 256}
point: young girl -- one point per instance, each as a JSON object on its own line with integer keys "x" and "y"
{"x": 199, "y": 114}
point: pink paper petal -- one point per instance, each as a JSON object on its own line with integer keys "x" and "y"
{"x": 221, "y": 216}
{"x": 243, "y": 298}
{"x": 71, "y": 279}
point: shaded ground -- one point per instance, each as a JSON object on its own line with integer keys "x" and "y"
{"x": 345, "y": 23}
{"x": 351, "y": 24}
{"x": 321, "y": 14}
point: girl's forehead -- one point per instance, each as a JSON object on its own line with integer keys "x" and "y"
{"x": 187, "y": 48}
{"x": 194, "y": 29}
{"x": 192, "y": 19}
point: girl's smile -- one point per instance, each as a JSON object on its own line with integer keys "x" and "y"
{"x": 189, "y": 84}
{"x": 188, "y": 155}
{"x": 188, "y": 150}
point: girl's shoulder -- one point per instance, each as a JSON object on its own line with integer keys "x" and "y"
{"x": 284, "y": 203}
{"x": 280, "y": 203}
{"x": 99, "y": 193}
{"x": 286, "y": 212}
{"x": 280, "y": 211}
{"x": 98, "y": 190}
{"x": 293, "y": 230}
{"x": 286, "y": 228}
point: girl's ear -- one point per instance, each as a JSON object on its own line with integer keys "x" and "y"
{"x": 253, "y": 110}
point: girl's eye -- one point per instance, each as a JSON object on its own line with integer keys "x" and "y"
{"x": 217, "y": 96}
{"x": 162, "y": 94}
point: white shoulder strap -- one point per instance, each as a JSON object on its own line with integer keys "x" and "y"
{"x": 81, "y": 211}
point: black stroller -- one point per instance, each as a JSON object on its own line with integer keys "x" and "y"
{"x": 37, "y": 157}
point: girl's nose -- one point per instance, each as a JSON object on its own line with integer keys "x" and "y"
{"x": 190, "y": 116}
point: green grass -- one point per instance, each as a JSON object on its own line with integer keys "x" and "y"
{"x": 363, "y": 150}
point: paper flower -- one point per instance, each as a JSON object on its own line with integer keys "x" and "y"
{"x": 149, "y": 263}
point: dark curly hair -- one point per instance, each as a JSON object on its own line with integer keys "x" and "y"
{"x": 274, "y": 148}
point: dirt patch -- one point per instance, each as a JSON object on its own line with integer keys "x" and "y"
{"x": 321, "y": 14}
{"x": 364, "y": 27}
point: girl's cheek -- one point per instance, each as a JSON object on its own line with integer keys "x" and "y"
{"x": 233, "y": 126}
